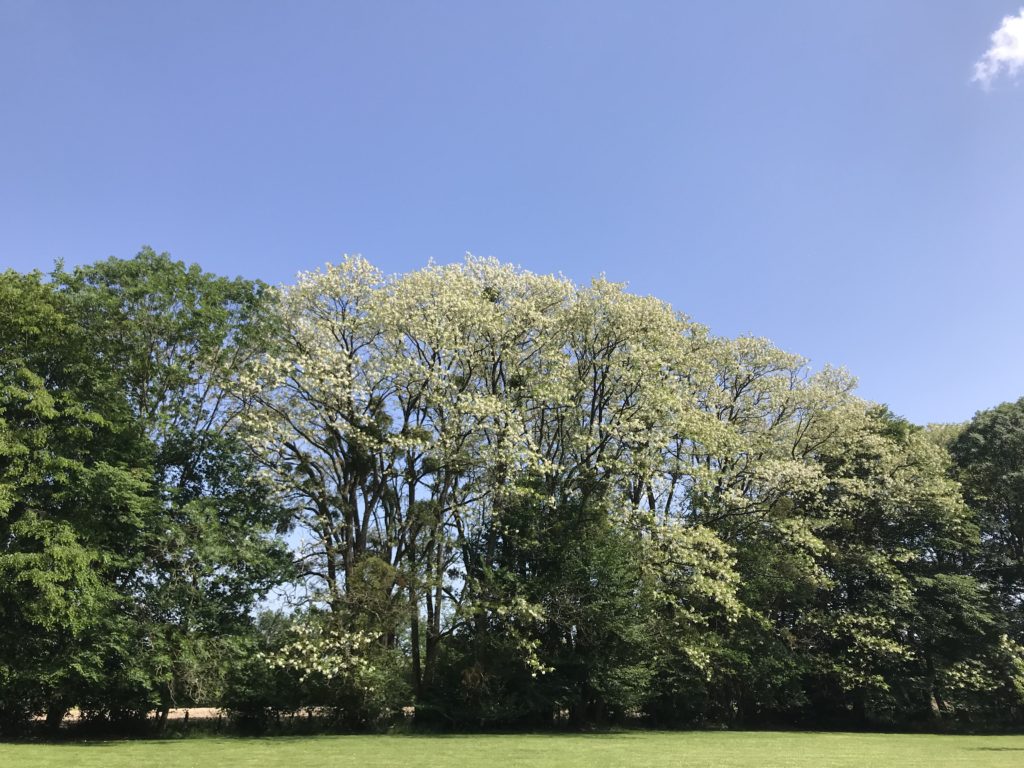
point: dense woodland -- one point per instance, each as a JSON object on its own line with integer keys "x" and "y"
{"x": 500, "y": 498}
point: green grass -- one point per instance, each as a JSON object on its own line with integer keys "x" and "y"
{"x": 639, "y": 749}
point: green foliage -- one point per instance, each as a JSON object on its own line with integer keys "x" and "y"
{"x": 303, "y": 662}
{"x": 560, "y": 623}
{"x": 73, "y": 489}
{"x": 516, "y": 501}
{"x": 167, "y": 331}
{"x": 133, "y": 527}
{"x": 989, "y": 458}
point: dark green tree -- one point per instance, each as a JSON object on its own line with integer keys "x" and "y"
{"x": 989, "y": 459}
{"x": 169, "y": 332}
{"x": 75, "y": 495}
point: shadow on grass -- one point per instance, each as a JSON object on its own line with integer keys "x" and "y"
{"x": 287, "y": 738}
{"x": 200, "y": 735}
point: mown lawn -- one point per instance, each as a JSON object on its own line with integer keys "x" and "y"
{"x": 692, "y": 750}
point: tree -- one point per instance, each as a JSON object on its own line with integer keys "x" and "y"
{"x": 168, "y": 333}
{"x": 409, "y": 420}
{"x": 74, "y": 492}
{"x": 518, "y": 501}
{"x": 989, "y": 458}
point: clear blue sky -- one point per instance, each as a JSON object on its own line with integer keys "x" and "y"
{"x": 823, "y": 174}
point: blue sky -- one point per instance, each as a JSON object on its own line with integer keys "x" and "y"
{"x": 827, "y": 175}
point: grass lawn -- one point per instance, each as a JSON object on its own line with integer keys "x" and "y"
{"x": 692, "y": 750}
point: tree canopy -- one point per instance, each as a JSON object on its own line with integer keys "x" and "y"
{"x": 502, "y": 498}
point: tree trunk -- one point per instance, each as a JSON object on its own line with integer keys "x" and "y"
{"x": 55, "y": 715}
{"x": 161, "y": 719}
{"x": 417, "y": 671}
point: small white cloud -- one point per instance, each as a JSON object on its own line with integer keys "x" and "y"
{"x": 1006, "y": 54}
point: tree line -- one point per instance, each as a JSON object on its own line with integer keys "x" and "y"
{"x": 499, "y": 498}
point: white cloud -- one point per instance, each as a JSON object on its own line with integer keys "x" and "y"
{"x": 1006, "y": 54}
